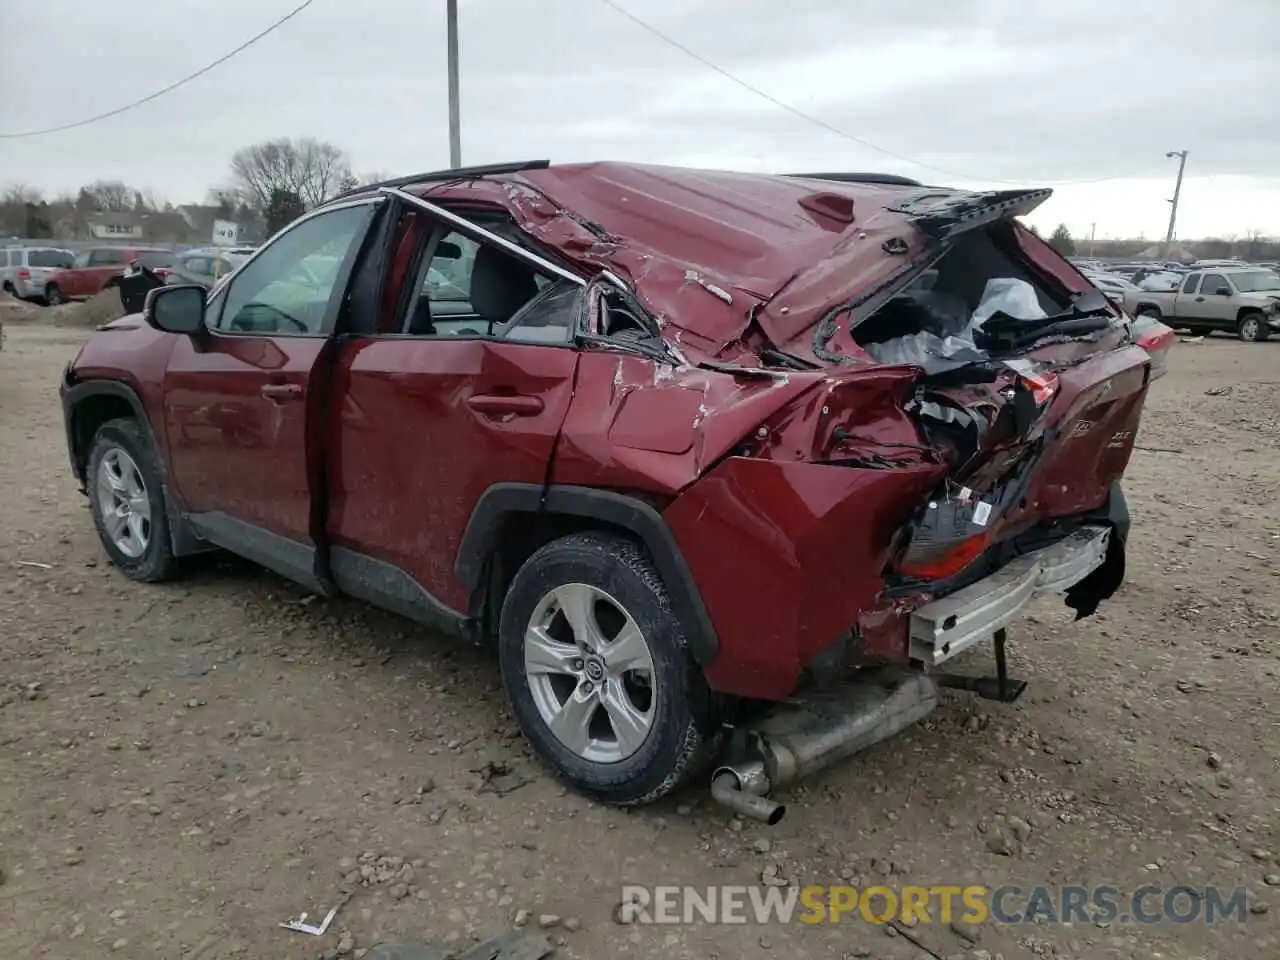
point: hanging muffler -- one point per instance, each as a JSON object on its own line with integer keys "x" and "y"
{"x": 797, "y": 739}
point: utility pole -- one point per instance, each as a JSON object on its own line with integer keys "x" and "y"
{"x": 455, "y": 121}
{"x": 1093, "y": 235}
{"x": 1177, "y": 191}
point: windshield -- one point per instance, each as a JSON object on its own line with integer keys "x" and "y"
{"x": 1255, "y": 281}
{"x": 49, "y": 258}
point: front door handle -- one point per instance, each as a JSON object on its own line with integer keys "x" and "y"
{"x": 498, "y": 403}
{"x": 281, "y": 391}
{"x": 1199, "y": 299}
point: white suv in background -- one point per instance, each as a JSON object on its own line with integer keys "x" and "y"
{"x": 24, "y": 271}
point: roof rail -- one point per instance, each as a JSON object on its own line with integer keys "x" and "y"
{"x": 456, "y": 173}
{"x": 889, "y": 179}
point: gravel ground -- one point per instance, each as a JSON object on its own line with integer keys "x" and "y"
{"x": 186, "y": 765}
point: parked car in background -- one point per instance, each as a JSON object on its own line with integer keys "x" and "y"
{"x": 99, "y": 268}
{"x": 207, "y": 266}
{"x": 1114, "y": 287}
{"x": 668, "y": 474}
{"x": 1244, "y": 302}
{"x": 25, "y": 271}
{"x": 1157, "y": 279}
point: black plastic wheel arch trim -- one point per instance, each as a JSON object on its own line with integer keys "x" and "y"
{"x": 618, "y": 509}
{"x": 184, "y": 541}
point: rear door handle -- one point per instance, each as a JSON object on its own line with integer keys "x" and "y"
{"x": 491, "y": 403}
{"x": 281, "y": 391}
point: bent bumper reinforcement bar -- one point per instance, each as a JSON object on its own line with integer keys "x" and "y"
{"x": 944, "y": 628}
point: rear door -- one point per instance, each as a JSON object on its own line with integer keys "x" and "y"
{"x": 461, "y": 380}
{"x": 240, "y": 404}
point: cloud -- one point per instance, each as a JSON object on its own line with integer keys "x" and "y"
{"x": 977, "y": 92}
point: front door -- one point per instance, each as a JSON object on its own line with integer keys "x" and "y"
{"x": 464, "y": 385}
{"x": 239, "y": 405}
{"x": 1219, "y": 307}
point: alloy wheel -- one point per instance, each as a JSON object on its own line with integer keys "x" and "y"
{"x": 591, "y": 674}
{"x": 123, "y": 504}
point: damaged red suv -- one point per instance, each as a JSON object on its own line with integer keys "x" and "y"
{"x": 683, "y": 442}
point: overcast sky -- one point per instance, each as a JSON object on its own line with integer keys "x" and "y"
{"x": 980, "y": 90}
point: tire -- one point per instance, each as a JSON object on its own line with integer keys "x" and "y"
{"x": 53, "y": 295}
{"x": 1252, "y": 327}
{"x": 680, "y": 731}
{"x": 140, "y": 545}
{"x": 1150, "y": 311}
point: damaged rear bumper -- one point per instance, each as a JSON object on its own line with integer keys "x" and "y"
{"x": 947, "y": 627}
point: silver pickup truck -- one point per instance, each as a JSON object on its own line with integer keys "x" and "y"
{"x": 1243, "y": 301}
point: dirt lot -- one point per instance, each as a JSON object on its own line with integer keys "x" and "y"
{"x": 184, "y": 766}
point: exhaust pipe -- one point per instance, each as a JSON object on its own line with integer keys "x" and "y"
{"x": 799, "y": 739}
{"x": 736, "y": 788}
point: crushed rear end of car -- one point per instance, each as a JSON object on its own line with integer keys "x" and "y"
{"x": 882, "y": 419}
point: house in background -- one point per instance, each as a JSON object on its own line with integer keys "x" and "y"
{"x": 200, "y": 217}
{"x": 187, "y": 224}
{"x": 115, "y": 226}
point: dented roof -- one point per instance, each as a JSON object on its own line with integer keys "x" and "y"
{"x": 709, "y": 251}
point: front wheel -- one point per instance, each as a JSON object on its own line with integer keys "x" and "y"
{"x": 1253, "y": 328}
{"x": 127, "y": 497}
{"x": 53, "y": 295}
{"x": 597, "y": 668}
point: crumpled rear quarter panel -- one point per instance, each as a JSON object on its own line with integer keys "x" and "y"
{"x": 785, "y": 554}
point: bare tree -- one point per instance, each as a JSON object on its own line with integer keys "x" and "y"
{"x": 311, "y": 169}
{"x": 19, "y": 195}
{"x": 111, "y": 195}
{"x": 146, "y": 201}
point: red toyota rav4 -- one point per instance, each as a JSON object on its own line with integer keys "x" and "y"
{"x": 682, "y": 441}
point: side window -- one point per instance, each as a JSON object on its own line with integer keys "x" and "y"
{"x": 4, "y": 258}
{"x": 1189, "y": 284}
{"x": 198, "y": 266}
{"x": 1214, "y": 282}
{"x": 549, "y": 317}
{"x": 82, "y": 259}
{"x": 287, "y": 289}
{"x": 105, "y": 258}
{"x": 448, "y": 275}
{"x": 469, "y": 289}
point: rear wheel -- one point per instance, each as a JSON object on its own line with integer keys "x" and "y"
{"x": 1252, "y": 328}
{"x": 127, "y": 497}
{"x": 53, "y": 295}
{"x": 596, "y": 666}
{"x": 1152, "y": 312}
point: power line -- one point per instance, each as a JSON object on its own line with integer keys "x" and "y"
{"x": 822, "y": 123}
{"x": 163, "y": 90}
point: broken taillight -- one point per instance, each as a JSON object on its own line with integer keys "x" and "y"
{"x": 24, "y": 274}
{"x": 1154, "y": 340}
{"x": 935, "y": 561}
{"x": 1043, "y": 386}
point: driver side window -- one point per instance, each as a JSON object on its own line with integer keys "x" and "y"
{"x": 287, "y": 288}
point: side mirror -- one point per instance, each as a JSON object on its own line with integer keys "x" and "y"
{"x": 176, "y": 309}
{"x": 1222, "y": 292}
